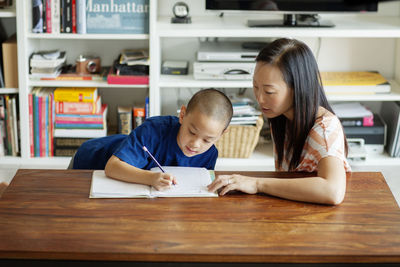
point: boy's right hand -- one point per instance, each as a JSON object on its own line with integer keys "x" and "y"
{"x": 163, "y": 181}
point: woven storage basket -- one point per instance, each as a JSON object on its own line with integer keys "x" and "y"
{"x": 240, "y": 140}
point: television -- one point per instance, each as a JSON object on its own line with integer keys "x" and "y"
{"x": 296, "y": 13}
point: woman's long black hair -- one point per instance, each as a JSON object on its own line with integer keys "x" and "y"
{"x": 300, "y": 72}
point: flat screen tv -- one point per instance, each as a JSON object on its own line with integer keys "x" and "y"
{"x": 296, "y": 13}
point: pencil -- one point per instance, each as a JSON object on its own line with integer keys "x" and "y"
{"x": 153, "y": 158}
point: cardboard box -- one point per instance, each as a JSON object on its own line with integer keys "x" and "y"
{"x": 10, "y": 62}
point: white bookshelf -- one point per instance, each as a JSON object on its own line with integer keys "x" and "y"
{"x": 9, "y": 12}
{"x": 368, "y": 41}
{"x": 5, "y": 91}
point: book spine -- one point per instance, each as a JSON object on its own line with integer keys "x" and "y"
{"x": 75, "y": 107}
{"x": 138, "y": 116}
{"x": 44, "y": 9}
{"x": 68, "y": 16}
{"x": 78, "y": 120}
{"x": 49, "y": 27}
{"x": 52, "y": 116}
{"x": 31, "y": 132}
{"x": 81, "y": 16}
{"x": 42, "y": 126}
{"x": 37, "y": 16}
{"x": 73, "y": 16}
{"x": 2, "y": 148}
{"x": 66, "y": 95}
{"x": 47, "y": 123}
{"x": 125, "y": 122}
{"x": 147, "y": 107}
{"x": 78, "y": 126}
{"x": 55, "y": 16}
{"x": 127, "y": 79}
{"x": 360, "y": 121}
{"x": 69, "y": 142}
{"x": 36, "y": 124}
{"x": 62, "y": 15}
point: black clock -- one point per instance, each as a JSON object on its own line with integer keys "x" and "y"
{"x": 181, "y": 13}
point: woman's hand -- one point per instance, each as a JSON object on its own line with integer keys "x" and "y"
{"x": 233, "y": 182}
{"x": 163, "y": 181}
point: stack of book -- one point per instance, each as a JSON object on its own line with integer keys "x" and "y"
{"x": 131, "y": 67}
{"x": 47, "y": 64}
{"x": 9, "y": 143}
{"x": 79, "y": 113}
{"x": 244, "y": 112}
{"x": 41, "y": 118}
{"x": 353, "y": 114}
{"x": 354, "y": 82}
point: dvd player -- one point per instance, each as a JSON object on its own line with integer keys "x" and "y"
{"x": 225, "y": 51}
{"x": 223, "y": 70}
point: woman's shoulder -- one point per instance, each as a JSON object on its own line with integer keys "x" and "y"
{"x": 326, "y": 119}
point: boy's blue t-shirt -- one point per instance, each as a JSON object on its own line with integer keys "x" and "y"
{"x": 158, "y": 134}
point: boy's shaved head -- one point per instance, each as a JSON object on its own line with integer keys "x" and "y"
{"x": 212, "y": 103}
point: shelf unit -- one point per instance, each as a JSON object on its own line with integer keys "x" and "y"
{"x": 164, "y": 41}
{"x": 106, "y": 45}
{"x": 233, "y": 26}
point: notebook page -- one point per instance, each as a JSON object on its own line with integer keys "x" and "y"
{"x": 105, "y": 187}
{"x": 191, "y": 182}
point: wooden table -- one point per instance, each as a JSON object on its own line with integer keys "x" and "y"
{"x": 46, "y": 214}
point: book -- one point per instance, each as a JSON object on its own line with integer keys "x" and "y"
{"x": 72, "y": 94}
{"x": 191, "y": 182}
{"x": 78, "y": 107}
{"x": 390, "y": 113}
{"x": 113, "y": 78}
{"x": 353, "y": 114}
{"x": 84, "y": 133}
{"x": 37, "y": 16}
{"x": 124, "y": 119}
{"x": 81, "y": 16}
{"x": 139, "y": 115}
{"x": 55, "y": 16}
{"x": 47, "y": 59}
{"x": 10, "y": 62}
{"x": 354, "y": 82}
{"x": 126, "y": 16}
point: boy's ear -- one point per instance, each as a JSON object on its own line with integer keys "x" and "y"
{"x": 182, "y": 113}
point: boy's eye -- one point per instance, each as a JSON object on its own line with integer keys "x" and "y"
{"x": 192, "y": 133}
{"x": 207, "y": 141}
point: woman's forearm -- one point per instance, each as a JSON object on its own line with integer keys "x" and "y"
{"x": 309, "y": 189}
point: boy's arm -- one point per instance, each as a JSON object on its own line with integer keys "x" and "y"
{"x": 120, "y": 170}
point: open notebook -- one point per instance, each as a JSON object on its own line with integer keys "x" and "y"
{"x": 191, "y": 182}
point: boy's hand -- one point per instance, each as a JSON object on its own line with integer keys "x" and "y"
{"x": 163, "y": 181}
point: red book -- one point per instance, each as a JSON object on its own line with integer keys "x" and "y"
{"x": 127, "y": 79}
{"x": 113, "y": 78}
{"x": 48, "y": 16}
{"x": 73, "y": 16}
{"x": 31, "y": 139}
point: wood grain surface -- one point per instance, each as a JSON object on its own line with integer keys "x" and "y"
{"x": 46, "y": 214}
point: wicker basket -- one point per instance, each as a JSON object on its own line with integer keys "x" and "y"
{"x": 240, "y": 140}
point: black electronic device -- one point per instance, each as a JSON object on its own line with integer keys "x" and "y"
{"x": 296, "y": 13}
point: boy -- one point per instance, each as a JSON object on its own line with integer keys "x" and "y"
{"x": 185, "y": 141}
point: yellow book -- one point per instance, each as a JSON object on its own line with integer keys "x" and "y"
{"x": 354, "y": 82}
{"x": 72, "y": 94}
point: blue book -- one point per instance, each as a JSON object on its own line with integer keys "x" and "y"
{"x": 123, "y": 16}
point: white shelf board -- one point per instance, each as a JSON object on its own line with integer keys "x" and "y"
{"x": 102, "y": 84}
{"x": 188, "y": 81}
{"x": 8, "y": 13}
{"x": 4, "y": 91}
{"x": 176, "y": 81}
{"x": 368, "y": 26}
{"x": 88, "y": 36}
